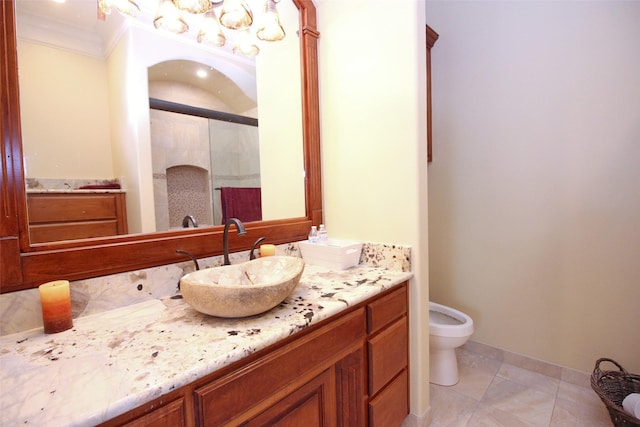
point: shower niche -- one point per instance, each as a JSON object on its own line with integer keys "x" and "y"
{"x": 195, "y": 159}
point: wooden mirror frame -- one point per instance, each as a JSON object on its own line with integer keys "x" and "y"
{"x": 24, "y": 265}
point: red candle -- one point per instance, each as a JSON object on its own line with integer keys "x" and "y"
{"x": 55, "y": 298}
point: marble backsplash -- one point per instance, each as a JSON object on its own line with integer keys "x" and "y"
{"x": 20, "y": 311}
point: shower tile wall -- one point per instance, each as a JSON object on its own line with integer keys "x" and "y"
{"x": 176, "y": 140}
{"x": 235, "y": 159}
{"x": 181, "y": 140}
{"x": 167, "y": 141}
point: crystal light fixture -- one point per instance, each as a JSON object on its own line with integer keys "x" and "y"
{"x": 193, "y": 6}
{"x": 270, "y": 28}
{"x": 236, "y": 15}
{"x": 210, "y": 31}
{"x": 168, "y": 18}
{"x": 126, "y": 7}
{"x": 244, "y": 44}
{"x": 209, "y": 17}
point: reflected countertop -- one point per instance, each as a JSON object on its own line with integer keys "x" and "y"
{"x": 74, "y": 191}
{"x": 114, "y": 361}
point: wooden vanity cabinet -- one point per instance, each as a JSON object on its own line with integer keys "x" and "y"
{"x": 296, "y": 382}
{"x": 388, "y": 359}
{"x": 68, "y": 216}
{"x": 350, "y": 370}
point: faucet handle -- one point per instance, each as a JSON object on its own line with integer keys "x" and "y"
{"x": 253, "y": 248}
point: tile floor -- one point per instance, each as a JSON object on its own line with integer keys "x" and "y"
{"x": 498, "y": 389}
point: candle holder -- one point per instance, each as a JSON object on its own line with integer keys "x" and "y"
{"x": 55, "y": 299}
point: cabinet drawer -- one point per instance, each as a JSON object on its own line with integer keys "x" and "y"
{"x": 387, "y": 355}
{"x": 60, "y": 208}
{"x": 56, "y": 216}
{"x": 391, "y": 406}
{"x": 72, "y": 230}
{"x": 386, "y": 309}
{"x": 252, "y": 388}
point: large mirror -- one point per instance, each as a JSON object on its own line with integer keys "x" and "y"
{"x": 25, "y": 264}
{"x": 86, "y": 128}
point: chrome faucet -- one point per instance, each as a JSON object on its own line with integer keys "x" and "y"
{"x": 186, "y": 219}
{"x": 225, "y": 237}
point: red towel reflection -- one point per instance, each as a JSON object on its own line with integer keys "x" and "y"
{"x": 241, "y": 202}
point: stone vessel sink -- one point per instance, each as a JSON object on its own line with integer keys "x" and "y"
{"x": 244, "y": 289}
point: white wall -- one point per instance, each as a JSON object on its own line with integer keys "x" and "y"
{"x": 372, "y": 104}
{"x": 534, "y": 192}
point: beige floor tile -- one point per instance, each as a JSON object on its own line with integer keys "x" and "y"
{"x": 579, "y": 406}
{"x": 493, "y": 392}
{"x": 476, "y": 373}
{"x": 489, "y": 416}
{"x": 535, "y": 380}
{"x": 529, "y": 405}
{"x": 449, "y": 408}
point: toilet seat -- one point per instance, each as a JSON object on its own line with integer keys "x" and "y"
{"x": 448, "y": 322}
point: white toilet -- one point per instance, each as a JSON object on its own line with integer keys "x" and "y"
{"x": 448, "y": 329}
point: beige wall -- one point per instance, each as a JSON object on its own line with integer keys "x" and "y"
{"x": 281, "y": 149}
{"x": 63, "y": 139}
{"x": 372, "y": 102}
{"x": 534, "y": 193}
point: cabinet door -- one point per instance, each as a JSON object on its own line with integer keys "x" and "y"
{"x": 172, "y": 414}
{"x": 311, "y": 405}
{"x": 351, "y": 386}
{"x": 253, "y": 389}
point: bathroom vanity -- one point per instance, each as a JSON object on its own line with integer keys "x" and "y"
{"x": 77, "y": 214}
{"x": 333, "y": 353}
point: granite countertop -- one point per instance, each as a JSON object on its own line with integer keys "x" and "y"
{"x": 114, "y": 361}
{"x": 75, "y": 190}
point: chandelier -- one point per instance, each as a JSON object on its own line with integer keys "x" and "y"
{"x": 211, "y": 18}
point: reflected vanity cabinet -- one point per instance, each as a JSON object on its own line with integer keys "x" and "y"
{"x": 74, "y": 215}
{"x": 350, "y": 370}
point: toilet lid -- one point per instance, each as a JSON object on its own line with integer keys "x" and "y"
{"x": 443, "y": 319}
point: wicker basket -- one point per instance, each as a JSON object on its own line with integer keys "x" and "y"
{"x": 613, "y": 387}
